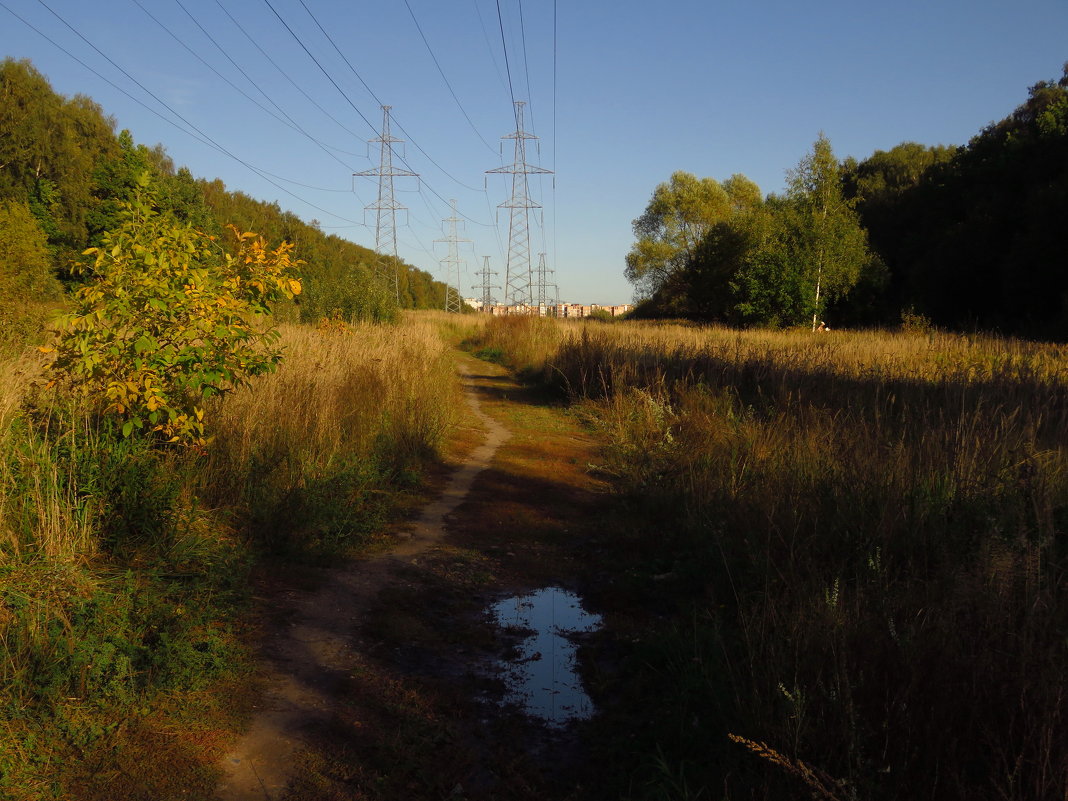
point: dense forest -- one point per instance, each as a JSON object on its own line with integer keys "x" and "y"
{"x": 966, "y": 238}
{"x": 65, "y": 174}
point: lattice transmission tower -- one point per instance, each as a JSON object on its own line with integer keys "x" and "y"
{"x": 545, "y": 293}
{"x": 486, "y": 288}
{"x": 517, "y": 274}
{"x": 452, "y": 263}
{"x": 386, "y": 207}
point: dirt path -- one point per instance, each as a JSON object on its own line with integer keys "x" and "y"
{"x": 311, "y": 651}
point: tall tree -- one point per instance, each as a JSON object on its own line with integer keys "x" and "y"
{"x": 987, "y": 245}
{"x": 829, "y": 244}
{"x": 49, "y": 149}
{"x": 670, "y": 230}
{"x": 884, "y": 188}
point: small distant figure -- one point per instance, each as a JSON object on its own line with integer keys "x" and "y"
{"x": 823, "y": 327}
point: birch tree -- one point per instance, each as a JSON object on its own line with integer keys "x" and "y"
{"x": 830, "y": 246}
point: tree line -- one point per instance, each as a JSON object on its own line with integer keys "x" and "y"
{"x": 66, "y": 174}
{"x": 966, "y": 238}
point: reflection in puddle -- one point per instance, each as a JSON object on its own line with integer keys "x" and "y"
{"x": 542, "y": 677}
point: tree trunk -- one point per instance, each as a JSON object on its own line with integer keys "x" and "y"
{"x": 816, "y": 308}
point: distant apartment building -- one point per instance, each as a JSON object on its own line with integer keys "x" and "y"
{"x": 580, "y": 310}
{"x": 568, "y": 310}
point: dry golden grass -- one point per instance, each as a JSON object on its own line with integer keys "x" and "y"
{"x": 678, "y": 350}
{"x": 38, "y": 493}
{"x": 314, "y": 450}
{"x": 875, "y": 521}
{"x": 365, "y": 392}
{"x": 377, "y": 396}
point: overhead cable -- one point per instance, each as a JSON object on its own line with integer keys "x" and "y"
{"x": 441, "y": 72}
{"x": 507, "y": 65}
{"x": 320, "y": 66}
{"x": 526, "y": 64}
{"x": 489, "y": 45}
{"x": 288, "y": 121}
{"x": 355, "y": 72}
{"x": 285, "y": 74}
{"x": 206, "y": 139}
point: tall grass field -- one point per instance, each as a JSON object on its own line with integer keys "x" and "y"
{"x": 124, "y": 566}
{"x": 857, "y": 543}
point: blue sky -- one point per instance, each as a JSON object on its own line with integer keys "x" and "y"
{"x": 620, "y": 94}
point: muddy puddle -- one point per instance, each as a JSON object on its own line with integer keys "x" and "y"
{"x": 541, "y": 675}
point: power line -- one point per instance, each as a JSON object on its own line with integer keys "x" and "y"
{"x": 452, "y": 262}
{"x": 320, "y": 66}
{"x": 355, "y": 72}
{"x": 325, "y": 148}
{"x": 556, "y": 253}
{"x": 295, "y": 85}
{"x": 441, "y": 72}
{"x": 106, "y": 80}
{"x": 289, "y": 121}
{"x": 486, "y": 287}
{"x": 466, "y": 217}
{"x": 526, "y": 64}
{"x": 543, "y": 296}
{"x": 507, "y": 66}
{"x": 386, "y": 206}
{"x": 489, "y": 45}
{"x": 496, "y": 228}
{"x": 206, "y": 139}
{"x": 517, "y": 283}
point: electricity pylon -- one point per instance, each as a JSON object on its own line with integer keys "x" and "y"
{"x": 452, "y": 263}
{"x": 485, "y": 287}
{"x": 545, "y": 292}
{"x": 517, "y": 274}
{"x": 386, "y": 207}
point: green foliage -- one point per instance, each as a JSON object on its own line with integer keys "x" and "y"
{"x": 27, "y": 284}
{"x": 95, "y": 651}
{"x": 339, "y": 273}
{"x": 887, "y": 173}
{"x": 63, "y": 160}
{"x": 25, "y": 261}
{"x": 112, "y": 589}
{"x": 769, "y": 286}
{"x": 169, "y": 320}
{"x": 826, "y": 238}
{"x": 601, "y": 315}
{"x": 967, "y": 237}
{"x": 351, "y": 297}
{"x": 720, "y": 252}
{"x": 117, "y": 182}
{"x": 50, "y": 146}
{"x": 970, "y": 235}
{"x": 679, "y": 215}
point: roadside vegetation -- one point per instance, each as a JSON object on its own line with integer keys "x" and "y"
{"x": 193, "y": 383}
{"x": 850, "y": 550}
{"x": 126, "y": 564}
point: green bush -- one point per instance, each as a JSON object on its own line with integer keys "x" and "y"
{"x": 168, "y": 320}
